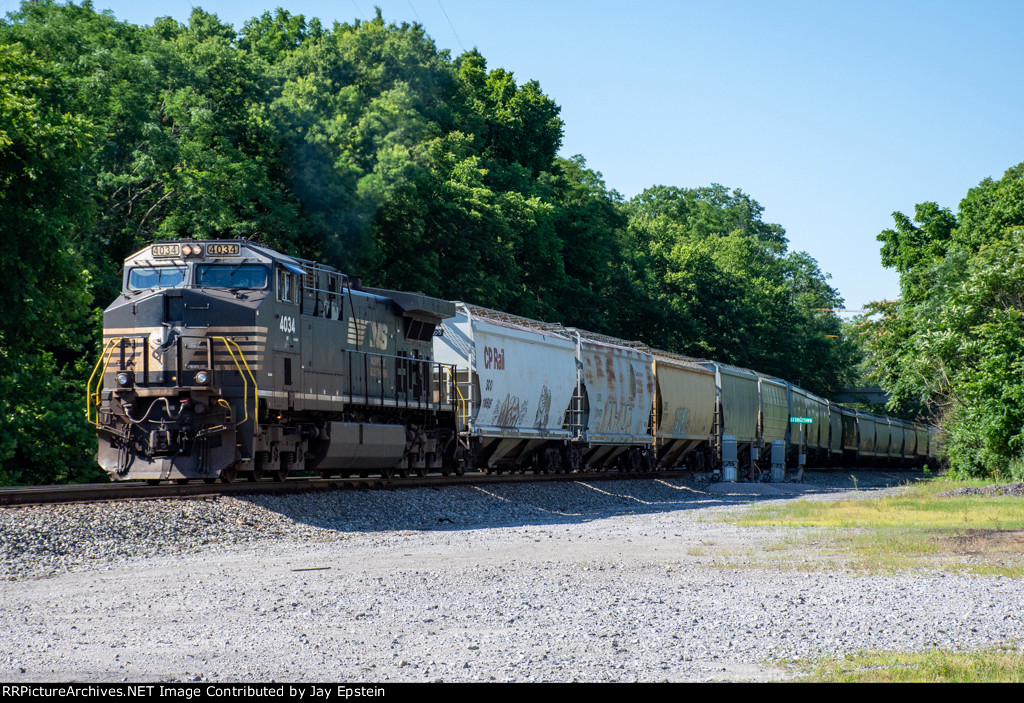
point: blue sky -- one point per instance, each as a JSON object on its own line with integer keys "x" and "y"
{"x": 830, "y": 114}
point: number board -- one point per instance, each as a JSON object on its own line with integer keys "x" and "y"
{"x": 215, "y": 249}
{"x": 166, "y": 251}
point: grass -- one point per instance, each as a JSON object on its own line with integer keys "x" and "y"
{"x": 995, "y": 665}
{"x": 917, "y": 506}
{"x": 912, "y": 530}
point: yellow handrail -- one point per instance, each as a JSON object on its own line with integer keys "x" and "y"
{"x": 225, "y": 404}
{"x": 90, "y": 398}
{"x": 245, "y": 384}
{"x": 464, "y": 414}
{"x": 93, "y": 398}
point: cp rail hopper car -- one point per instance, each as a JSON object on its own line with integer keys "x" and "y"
{"x": 224, "y": 359}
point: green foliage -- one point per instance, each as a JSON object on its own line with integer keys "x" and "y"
{"x": 911, "y": 249}
{"x": 718, "y": 283}
{"x": 589, "y": 225}
{"x": 953, "y": 343}
{"x": 182, "y": 147}
{"x": 44, "y": 313}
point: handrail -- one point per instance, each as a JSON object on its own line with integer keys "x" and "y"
{"x": 225, "y": 404}
{"x": 245, "y": 383}
{"x": 464, "y": 414}
{"x": 107, "y": 352}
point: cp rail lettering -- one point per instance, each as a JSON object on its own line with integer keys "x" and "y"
{"x": 494, "y": 358}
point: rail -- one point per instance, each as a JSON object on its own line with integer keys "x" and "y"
{"x": 399, "y": 380}
{"x": 94, "y": 386}
{"x": 368, "y": 379}
{"x": 245, "y": 383}
{"x": 91, "y": 400}
{"x": 463, "y": 408}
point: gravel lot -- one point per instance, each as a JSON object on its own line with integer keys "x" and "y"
{"x": 586, "y": 581}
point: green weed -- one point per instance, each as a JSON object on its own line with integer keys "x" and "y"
{"x": 997, "y": 664}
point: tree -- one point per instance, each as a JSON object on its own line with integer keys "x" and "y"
{"x": 44, "y": 323}
{"x": 951, "y": 344}
{"x": 720, "y": 284}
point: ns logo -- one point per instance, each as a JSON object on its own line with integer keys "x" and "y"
{"x": 372, "y": 334}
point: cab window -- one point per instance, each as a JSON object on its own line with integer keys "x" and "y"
{"x": 287, "y": 286}
{"x": 227, "y": 276}
{"x": 156, "y": 277}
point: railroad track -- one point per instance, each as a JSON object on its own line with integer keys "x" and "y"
{"x": 140, "y": 490}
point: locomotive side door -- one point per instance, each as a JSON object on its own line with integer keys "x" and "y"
{"x": 286, "y": 332}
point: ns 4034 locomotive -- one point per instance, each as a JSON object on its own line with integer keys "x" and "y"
{"x": 224, "y": 358}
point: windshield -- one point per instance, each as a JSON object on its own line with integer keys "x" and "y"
{"x": 248, "y": 276}
{"x": 156, "y": 277}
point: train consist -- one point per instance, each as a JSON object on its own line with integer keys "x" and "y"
{"x": 225, "y": 359}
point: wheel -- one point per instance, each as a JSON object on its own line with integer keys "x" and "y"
{"x": 570, "y": 459}
{"x": 636, "y": 461}
{"x": 259, "y": 466}
{"x": 228, "y": 475}
{"x": 647, "y": 461}
{"x": 281, "y": 473}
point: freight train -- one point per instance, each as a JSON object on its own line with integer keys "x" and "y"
{"x": 226, "y": 360}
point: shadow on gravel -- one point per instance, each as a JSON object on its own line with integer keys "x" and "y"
{"x": 547, "y": 503}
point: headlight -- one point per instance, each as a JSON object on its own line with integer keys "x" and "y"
{"x": 202, "y": 377}
{"x": 186, "y": 250}
{"x": 123, "y": 379}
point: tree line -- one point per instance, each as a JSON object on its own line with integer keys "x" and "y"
{"x": 952, "y": 346}
{"x": 363, "y": 146}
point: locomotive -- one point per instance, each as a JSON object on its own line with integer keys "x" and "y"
{"x": 226, "y": 359}
{"x": 223, "y": 358}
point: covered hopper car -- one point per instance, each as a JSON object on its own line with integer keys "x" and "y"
{"x": 225, "y": 359}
